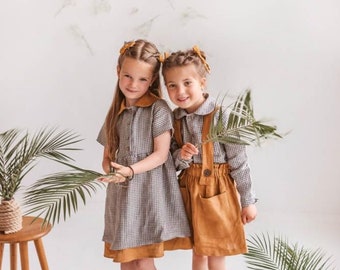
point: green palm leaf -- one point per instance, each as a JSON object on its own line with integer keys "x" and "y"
{"x": 19, "y": 153}
{"x": 276, "y": 253}
{"x": 57, "y": 196}
{"x": 242, "y": 127}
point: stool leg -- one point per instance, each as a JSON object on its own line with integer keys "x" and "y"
{"x": 24, "y": 255}
{"x": 41, "y": 254}
{"x": 1, "y": 254}
{"x": 13, "y": 256}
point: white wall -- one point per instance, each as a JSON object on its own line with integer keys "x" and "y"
{"x": 57, "y": 68}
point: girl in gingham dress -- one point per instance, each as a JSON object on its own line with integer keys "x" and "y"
{"x": 212, "y": 171}
{"x": 144, "y": 211}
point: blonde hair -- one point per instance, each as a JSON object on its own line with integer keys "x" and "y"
{"x": 141, "y": 50}
{"x": 183, "y": 58}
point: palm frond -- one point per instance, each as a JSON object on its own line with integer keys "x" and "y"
{"x": 57, "y": 196}
{"x": 46, "y": 143}
{"x": 19, "y": 152}
{"x": 242, "y": 126}
{"x": 276, "y": 253}
{"x": 9, "y": 141}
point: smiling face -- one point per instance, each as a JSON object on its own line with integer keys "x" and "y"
{"x": 135, "y": 78}
{"x": 184, "y": 86}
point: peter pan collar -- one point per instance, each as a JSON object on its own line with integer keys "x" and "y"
{"x": 145, "y": 101}
{"x": 207, "y": 107}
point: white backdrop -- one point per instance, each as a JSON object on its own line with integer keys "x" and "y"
{"x": 57, "y": 68}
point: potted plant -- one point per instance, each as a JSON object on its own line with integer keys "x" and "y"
{"x": 19, "y": 153}
{"x": 277, "y": 253}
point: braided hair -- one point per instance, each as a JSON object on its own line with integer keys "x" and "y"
{"x": 183, "y": 58}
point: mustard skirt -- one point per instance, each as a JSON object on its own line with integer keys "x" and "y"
{"x": 147, "y": 251}
{"x": 213, "y": 208}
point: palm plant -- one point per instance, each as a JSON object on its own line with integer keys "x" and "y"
{"x": 276, "y": 253}
{"x": 19, "y": 153}
{"x": 56, "y": 195}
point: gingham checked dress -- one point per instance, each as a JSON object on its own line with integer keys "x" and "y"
{"x": 151, "y": 209}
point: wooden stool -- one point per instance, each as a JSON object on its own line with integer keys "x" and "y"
{"x": 29, "y": 232}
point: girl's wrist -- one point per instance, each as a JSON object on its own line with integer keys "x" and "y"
{"x": 123, "y": 172}
{"x": 132, "y": 173}
{"x": 185, "y": 161}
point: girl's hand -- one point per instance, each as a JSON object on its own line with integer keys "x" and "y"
{"x": 248, "y": 213}
{"x": 119, "y": 174}
{"x": 122, "y": 171}
{"x": 112, "y": 179}
{"x": 187, "y": 151}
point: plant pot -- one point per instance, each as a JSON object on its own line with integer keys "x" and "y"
{"x": 10, "y": 217}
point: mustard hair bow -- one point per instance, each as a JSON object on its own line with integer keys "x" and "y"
{"x": 198, "y": 52}
{"x": 127, "y": 45}
{"x": 163, "y": 56}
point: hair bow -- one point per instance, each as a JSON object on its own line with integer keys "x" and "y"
{"x": 198, "y": 52}
{"x": 163, "y": 56}
{"x": 127, "y": 45}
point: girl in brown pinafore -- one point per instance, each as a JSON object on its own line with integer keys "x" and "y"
{"x": 215, "y": 179}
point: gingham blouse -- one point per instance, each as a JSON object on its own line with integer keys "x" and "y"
{"x": 151, "y": 209}
{"x": 233, "y": 154}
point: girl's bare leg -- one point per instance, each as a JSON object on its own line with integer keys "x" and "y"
{"x": 127, "y": 265}
{"x": 216, "y": 263}
{"x": 145, "y": 264}
{"x": 140, "y": 264}
{"x": 199, "y": 262}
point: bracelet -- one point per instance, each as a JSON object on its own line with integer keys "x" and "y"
{"x": 133, "y": 173}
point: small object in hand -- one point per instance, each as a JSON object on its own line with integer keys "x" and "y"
{"x": 112, "y": 176}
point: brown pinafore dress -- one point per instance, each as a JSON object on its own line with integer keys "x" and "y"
{"x": 211, "y": 201}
